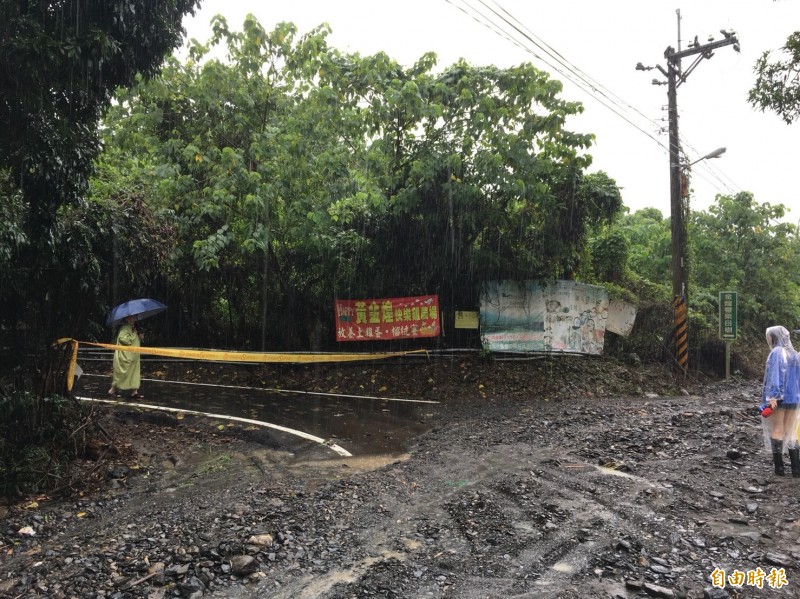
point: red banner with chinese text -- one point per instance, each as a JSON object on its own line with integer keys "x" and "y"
{"x": 392, "y": 318}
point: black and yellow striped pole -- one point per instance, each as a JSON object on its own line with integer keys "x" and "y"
{"x": 677, "y": 221}
{"x": 681, "y": 333}
{"x": 679, "y": 189}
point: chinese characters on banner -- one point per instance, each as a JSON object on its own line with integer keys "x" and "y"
{"x": 384, "y": 319}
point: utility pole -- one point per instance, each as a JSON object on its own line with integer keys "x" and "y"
{"x": 679, "y": 208}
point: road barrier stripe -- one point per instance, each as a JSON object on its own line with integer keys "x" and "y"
{"x": 681, "y": 332}
{"x": 228, "y": 356}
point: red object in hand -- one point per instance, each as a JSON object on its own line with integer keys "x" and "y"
{"x": 767, "y": 412}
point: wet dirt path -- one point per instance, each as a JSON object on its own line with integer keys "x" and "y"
{"x": 641, "y": 497}
{"x": 603, "y": 498}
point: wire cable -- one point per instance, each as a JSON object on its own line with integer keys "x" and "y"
{"x": 584, "y": 85}
{"x": 278, "y": 391}
{"x": 499, "y": 19}
{"x": 616, "y": 99}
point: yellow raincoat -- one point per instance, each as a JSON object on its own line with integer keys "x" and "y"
{"x": 126, "y": 364}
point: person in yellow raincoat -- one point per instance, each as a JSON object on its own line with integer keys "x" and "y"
{"x": 127, "y": 367}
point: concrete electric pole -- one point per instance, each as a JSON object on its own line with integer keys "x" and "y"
{"x": 679, "y": 208}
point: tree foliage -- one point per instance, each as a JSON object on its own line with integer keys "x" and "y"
{"x": 247, "y": 156}
{"x": 649, "y": 242}
{"x": 745, "y": 246}
{"x": 777, "y": 85}
{"x": 476, "y": 164}
{"x": 297, "y": 173}
{"x": 737, "y": 245}
{"x": 251, "y": 191}
{"x": 60, "y": 63}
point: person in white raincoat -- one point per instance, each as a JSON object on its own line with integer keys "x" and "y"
{"x": 780, "y": 400}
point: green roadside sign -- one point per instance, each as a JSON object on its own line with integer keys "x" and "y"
{"x": 727, "y": 315}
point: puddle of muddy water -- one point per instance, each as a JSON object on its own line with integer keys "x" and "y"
{"x": 364, "y": 463}
{"x": 564, "y": 567}
{"x": 323, "y": 584}
{"x": 363, "y": 426}
{"x": 583, "y": 467}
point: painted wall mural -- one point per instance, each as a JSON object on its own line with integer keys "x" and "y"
{"x": 553, "y": 316}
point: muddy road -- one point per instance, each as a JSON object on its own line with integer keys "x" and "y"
{"x": 524, "y": 493}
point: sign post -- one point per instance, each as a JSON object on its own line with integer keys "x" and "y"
{"x": 727, "y": 325}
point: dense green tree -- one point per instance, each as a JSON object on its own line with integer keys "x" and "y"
{"x": 12, "y": 233}
{"x": 591, "y": 203}
{"x": 297, "y": 173}
{"x": 648, "y": 238}
{"x": 738, "y": 244}
{"x": 609, "y": 255}
{"x": 475, "y": 165}
{"x": 248, "y": 154}
{"x": 777, "y": 85}
{"x": 745, "y": 246}
{"x": 60, "y": 63}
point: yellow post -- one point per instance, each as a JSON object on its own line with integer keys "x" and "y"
{"x": 72, "y": 362}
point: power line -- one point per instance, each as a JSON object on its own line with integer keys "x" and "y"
{"x": 593, "y": 83}
{"x": 714, "y": 174}
{"x": 498, "y": 20}
{"x": 500, "y": 30}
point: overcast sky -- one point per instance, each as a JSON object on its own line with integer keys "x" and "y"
{"x": 603, "y": 41}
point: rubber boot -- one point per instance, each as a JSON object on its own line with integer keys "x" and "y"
{"x": 794, "y": 456}
{"x": 777, "y": 456}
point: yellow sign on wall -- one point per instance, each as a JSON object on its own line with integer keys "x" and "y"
{"x": 466, "y": 320}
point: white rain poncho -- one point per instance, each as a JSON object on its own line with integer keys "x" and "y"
{"x": 782, "y": 383}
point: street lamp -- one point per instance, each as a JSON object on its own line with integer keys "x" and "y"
{"x": 688, "y": 167}
{"x": 715, "y": 154}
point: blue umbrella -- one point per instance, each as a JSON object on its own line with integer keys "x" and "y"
{"x": 140, "y": 308}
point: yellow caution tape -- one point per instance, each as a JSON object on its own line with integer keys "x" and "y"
{"x": 238, "y": 356}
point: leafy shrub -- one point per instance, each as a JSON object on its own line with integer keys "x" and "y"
{"x": 37, "y": 441}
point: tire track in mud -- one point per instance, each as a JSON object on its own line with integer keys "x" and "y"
{"x": 560, "y": 521}
{"x": 595, "y": 521}
{"x": 533, "y": 531}
{"x": 528, "y": 511}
